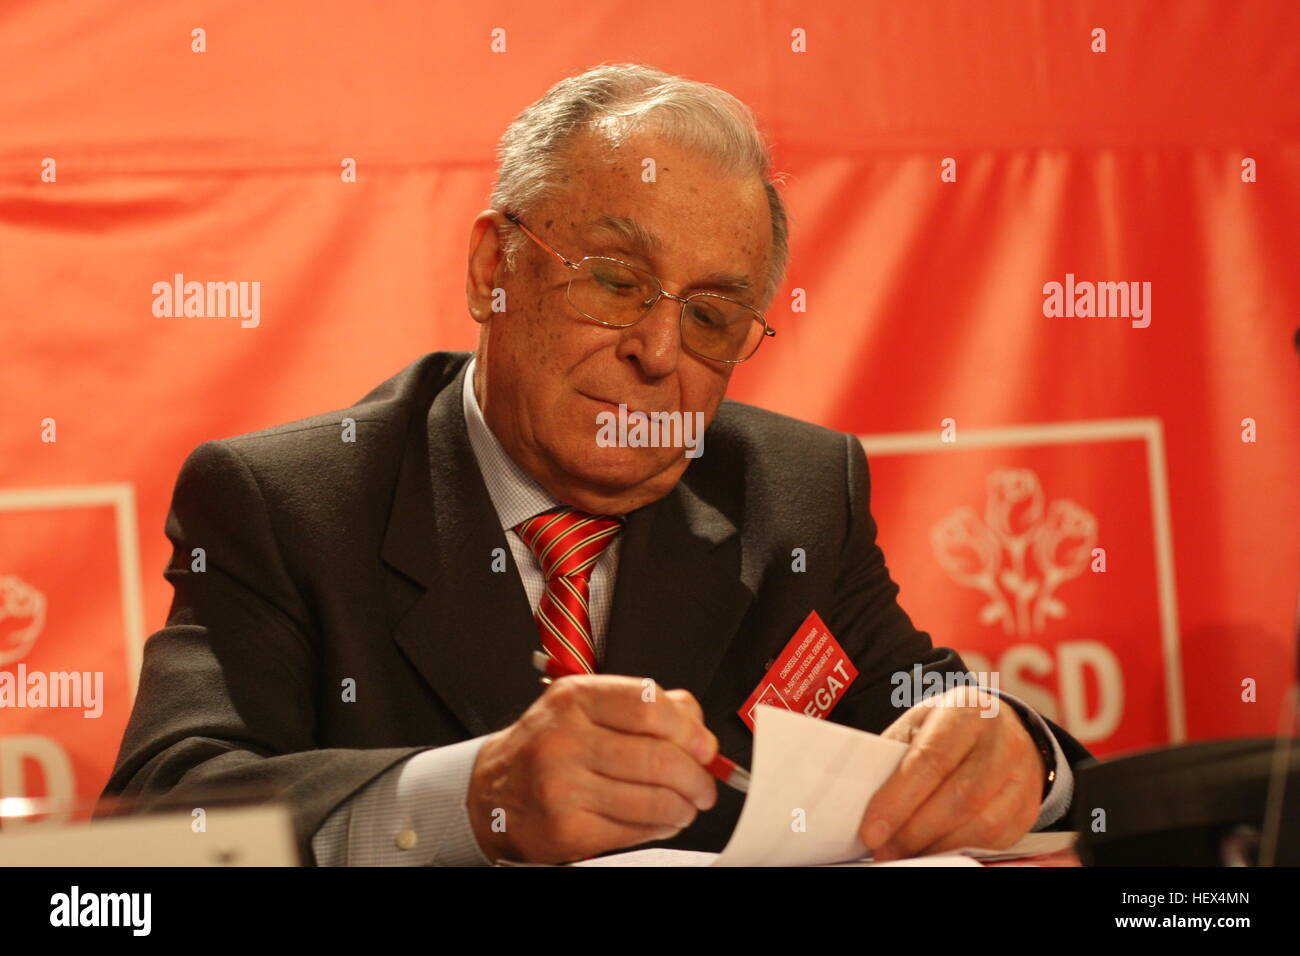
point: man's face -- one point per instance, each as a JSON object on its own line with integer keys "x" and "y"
{"x": 546, "y": 373}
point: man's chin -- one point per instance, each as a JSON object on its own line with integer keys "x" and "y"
{"x": 616, "y": 483}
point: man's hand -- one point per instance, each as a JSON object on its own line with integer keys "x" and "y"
{"x": 969, "y": 778}
{"x": 592, "y": 765}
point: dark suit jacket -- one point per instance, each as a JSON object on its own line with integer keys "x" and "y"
{"x": 371, "y": 560}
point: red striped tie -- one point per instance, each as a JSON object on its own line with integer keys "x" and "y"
{"x": 568, "y": 543}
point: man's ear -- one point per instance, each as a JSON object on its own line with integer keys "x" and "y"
{"x": 485, "y": 255}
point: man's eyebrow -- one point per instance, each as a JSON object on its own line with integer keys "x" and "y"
{"x": 638, "y": 238}
{"x": 631, "y": 232}
{"x": 725, "y": 280}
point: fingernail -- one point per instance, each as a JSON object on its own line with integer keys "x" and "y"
{"x": 877, "y": 834}
{"x": 704, "y": 746}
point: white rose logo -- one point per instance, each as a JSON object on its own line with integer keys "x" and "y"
{"x": 22, "y": 615}
{"x": 1021, "y": 552}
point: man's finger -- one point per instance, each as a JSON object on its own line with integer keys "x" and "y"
{"x": 611, "y": 834}
{"x": 1000, "y": 823}
{"x": 628, "y": 705}
{"x": 638, "y": 804}
{"x": 590, "y": 832}
{"x": 651, "y": 761}
{"x": 684, "y": 698}
{"x": 957, "y": 800}
{"x": 907, "y": 725}
{"x": 942, "y": 743}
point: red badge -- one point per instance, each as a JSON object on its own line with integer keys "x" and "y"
{"x": 809, "y": 677}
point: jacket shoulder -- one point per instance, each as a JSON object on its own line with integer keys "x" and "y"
{"x": 772, "y": 471}
{"x": 761, "y": 436}
{"x": 311, "y": 466}
{"x": 390, "y": 402}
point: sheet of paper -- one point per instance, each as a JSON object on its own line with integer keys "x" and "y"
{"x": 654, "y": 856}
{"x": 935, "y": 860}
{"x": 811, "y": 782}
{"x": 1031, "y": 844}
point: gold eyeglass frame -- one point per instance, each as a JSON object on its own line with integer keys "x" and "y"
{"x": 768, "y": 331}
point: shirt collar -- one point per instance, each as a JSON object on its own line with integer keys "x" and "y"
{"x": 515, "y": 496}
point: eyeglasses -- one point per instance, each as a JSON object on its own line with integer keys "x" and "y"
{"x": 618, "y": 294}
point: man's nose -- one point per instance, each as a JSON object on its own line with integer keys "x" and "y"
{"x": 654, "y": 343}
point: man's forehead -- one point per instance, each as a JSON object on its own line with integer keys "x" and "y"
{"x": 643, "y": 239}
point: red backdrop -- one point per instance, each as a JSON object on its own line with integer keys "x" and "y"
{"x": 924, "y": 303}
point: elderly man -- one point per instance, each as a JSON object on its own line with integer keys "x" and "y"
{"x": 379, "y": 578}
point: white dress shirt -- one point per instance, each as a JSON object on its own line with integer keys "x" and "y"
{"x": 415, "y": 813}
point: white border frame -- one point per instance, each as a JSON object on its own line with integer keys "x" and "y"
{"x": 121, "y": 497}
{"x": 1148, "y": 430}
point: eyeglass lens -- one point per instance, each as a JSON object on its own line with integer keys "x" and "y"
{"x": 618, "y": 294}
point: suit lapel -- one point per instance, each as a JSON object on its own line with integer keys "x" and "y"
{"x": 679, "y": 597}
{"x": 467, "y": 629}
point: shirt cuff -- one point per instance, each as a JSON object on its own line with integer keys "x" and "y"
{"x": 1057, "y": 801}
{"x": 413, "y": 814}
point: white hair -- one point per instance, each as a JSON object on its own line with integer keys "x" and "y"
{"x": 614, "y": 98}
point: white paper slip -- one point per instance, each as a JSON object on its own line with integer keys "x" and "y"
{"x": 653, "y": 856}
{"x": 811, "y": 783}
{"x": 1031, "y": 844}
{"x": 935, "y": 860}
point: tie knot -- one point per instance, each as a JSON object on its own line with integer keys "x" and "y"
{"x": 567, "y": 541}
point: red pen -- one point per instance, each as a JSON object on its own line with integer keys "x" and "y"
{"x": 724, "y": 768}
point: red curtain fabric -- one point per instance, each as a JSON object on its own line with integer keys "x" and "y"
{"x": 945, "y": 161}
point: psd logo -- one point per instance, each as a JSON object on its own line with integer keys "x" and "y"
{"x": 770, "y": 696}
